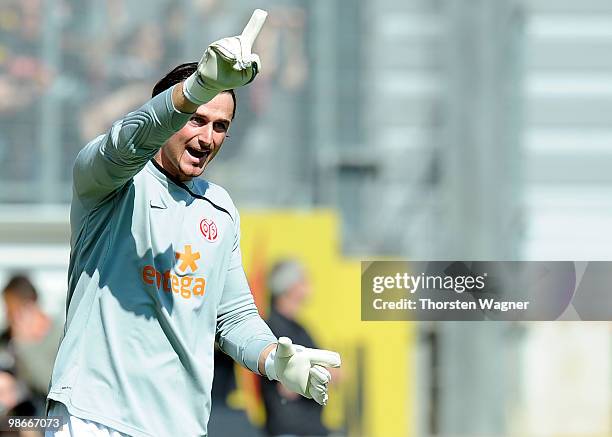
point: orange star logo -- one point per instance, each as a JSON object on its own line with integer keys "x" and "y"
{"x": 187, "y": 259}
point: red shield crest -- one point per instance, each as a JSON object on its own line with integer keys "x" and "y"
{"x": 209, "y": 230}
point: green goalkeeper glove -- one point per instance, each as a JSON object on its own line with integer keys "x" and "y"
{"x": 226, "y": 64}
{"x": 301, "y": 369}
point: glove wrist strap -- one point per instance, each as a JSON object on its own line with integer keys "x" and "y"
{"x": 196, "y": 91}
{"x": 269, "y": 366}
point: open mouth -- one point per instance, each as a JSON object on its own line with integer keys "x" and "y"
{"x": 199, "y": 154}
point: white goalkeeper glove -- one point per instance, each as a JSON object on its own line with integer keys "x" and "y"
{"x": 301, "y": 369}
{"x": 226, "y": 64}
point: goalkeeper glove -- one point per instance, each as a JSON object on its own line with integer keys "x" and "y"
{"x": 226, "y": 64}
{"x": 301, "y": 369}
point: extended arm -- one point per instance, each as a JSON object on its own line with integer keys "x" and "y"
{"x": 244, "y": 336}
{"x": 109, "y": 161}
{"x": 241, "y": 333}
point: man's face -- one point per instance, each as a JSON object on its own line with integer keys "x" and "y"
{"x": 301, "y": 291}
{"x": 297, "y": 294}
{"x": 187, "y": 153}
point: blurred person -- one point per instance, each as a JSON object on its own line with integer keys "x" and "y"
{"x": 155, "y": 274}
{"x": 288, "y": 414}
{"x": 33, "y": 336}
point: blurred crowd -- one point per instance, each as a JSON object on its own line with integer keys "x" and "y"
{"x": 69, "y": 68}
{"x": 52, "y": 50}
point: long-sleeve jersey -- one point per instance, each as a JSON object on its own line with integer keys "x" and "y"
{"x": 155, "y": 277}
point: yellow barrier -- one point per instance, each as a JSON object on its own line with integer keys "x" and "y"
{"x": 375, "y": 396}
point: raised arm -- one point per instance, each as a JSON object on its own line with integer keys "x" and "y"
{"x": 181, "y": 102}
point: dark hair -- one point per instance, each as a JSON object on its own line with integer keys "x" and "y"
{"x": 21, "y": 287}
{"x": 179, "y": 74}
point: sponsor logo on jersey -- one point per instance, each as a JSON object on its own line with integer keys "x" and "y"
{"x": 169, "y": 282}
{"x": 209, "y": 230}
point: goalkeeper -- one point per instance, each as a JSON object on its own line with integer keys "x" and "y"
{"x": 155, "y": 275}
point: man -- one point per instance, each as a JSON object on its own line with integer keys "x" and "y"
{"x": 155, "y": 273}
{"x": 287, "y": 413}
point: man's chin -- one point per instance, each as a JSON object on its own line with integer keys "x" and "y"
{"x": 190, "y": 172}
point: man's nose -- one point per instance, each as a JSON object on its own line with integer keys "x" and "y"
{"x": 205, "y": 135}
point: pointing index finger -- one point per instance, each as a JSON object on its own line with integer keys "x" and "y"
{"x": 324, "y": 358}
{"x": 253, "y": 27}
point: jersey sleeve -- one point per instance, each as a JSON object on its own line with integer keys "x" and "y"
{"x": 109, "y": 161}
{"x": 241, "y": 332}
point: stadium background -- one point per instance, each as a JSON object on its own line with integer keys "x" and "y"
{"x": 378, "y": 129}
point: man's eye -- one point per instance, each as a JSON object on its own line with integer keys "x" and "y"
{"x": 198, "y": 121}
{"x": 219, "y": 127}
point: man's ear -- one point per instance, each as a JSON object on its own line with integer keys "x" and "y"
{"x": 157, "y": 156}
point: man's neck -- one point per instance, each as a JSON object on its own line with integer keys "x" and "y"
{"x": 163, "y": 164}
